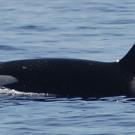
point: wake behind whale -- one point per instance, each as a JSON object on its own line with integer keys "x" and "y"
{"x": 71, "y": 77}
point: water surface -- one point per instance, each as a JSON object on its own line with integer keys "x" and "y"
{"x": 88, "y": 29}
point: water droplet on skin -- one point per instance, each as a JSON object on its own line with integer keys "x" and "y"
{"x": 23, "y": 67}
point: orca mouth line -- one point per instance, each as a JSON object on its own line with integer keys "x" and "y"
{"x": 71, "y": 77}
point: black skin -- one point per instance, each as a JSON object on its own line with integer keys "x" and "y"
{"x": 71, "y": 77}
{"x": 67, "y": 77}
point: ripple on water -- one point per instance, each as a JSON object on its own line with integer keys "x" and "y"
{"x": 38, "y": 113}
{"x": 37, "y": 28}
{"x": 91, "y": 29}
{"x": 9, "y": 48}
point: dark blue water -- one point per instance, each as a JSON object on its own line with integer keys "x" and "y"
{"x": 87, "y": 29}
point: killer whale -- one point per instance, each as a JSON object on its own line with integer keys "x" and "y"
{"x": 71, "y": 77}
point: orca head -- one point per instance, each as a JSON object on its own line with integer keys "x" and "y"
{"x": 128, "y": 61}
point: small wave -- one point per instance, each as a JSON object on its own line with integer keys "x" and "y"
{"x": 18, "y": 95}
{"x": 9, "y": 48}
{"x": 36, "y": 28}
{"x": 14, "y": 95}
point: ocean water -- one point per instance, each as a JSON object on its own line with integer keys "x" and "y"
{"x": 85, "y": 29}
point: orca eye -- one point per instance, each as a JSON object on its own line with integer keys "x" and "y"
{"x": 7, "y": 79}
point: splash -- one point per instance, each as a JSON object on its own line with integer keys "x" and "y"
{"x": 12, "y": 92}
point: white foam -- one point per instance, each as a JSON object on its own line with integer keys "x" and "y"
{"x": 13, "y": 92}
{"x": 117, "y": 60}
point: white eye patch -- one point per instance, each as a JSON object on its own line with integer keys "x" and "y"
{"x": 7, "y": 79}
